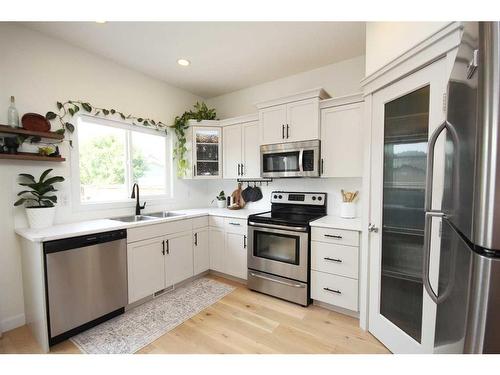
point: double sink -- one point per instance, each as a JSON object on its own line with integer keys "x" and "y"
{"x": 150, "y": 216}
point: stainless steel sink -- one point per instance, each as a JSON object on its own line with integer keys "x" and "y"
{"x": 163, "y": 214}
{"x": 135, "y": 218}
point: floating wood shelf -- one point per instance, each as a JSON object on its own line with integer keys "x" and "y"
{"x": 31, "y": 156}
{"x": 21, "y": 131}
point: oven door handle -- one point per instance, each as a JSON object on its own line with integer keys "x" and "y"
{"x": 277, "y": 281}
{"x": 274, "y": 226}
{"x": 301, "y": 160}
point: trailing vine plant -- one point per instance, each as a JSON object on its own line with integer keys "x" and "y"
{"x": 200, "y": 112}
{"x": 71, "y": 107}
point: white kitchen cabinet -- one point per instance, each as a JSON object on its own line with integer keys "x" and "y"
{"x": 178, "y": 258}
{"x": 291, "y": 119}
{"x": 236, "y": 255}
{"x": 146, "y": 271}
{"x": 200, "y": 251}
{"x": 241, "y": 150}
{"x": 342, "y": 140}
{"x": 216, "y": 249}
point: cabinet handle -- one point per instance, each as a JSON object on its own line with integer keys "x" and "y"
{"x": 322, "y": 166}
{"x": 242, "y": 173}
{"x": 333, "y": 259}
{"x": 196, "y": 239}
{"x": 283, "y": 131}
{"x": 239, "y": 173}
{"x": 163, "y": 247}
{"x": 235, "y": 224}
{"x": 287, "y": 129}
{"x": 168, "y": 248}
{"x": 333, "y": 236}
{"x": 244, "y": 242}
{"x": 332, "y": 290}
{"x": 194, "y": 170}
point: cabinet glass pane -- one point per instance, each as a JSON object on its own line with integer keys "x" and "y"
{"x": 406, "y": 128}
{"x": 207, "y": 152}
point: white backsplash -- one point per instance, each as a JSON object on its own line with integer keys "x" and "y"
{"x": 331, "y": 186}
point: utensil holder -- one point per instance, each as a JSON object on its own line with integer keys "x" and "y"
{"x": 348, "y": 210}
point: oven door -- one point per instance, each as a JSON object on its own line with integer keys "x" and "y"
{"x": 298, "y": 159}
{"x": 278, "y": 251}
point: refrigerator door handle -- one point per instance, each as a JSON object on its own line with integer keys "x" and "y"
{"x": 427, "y": 254}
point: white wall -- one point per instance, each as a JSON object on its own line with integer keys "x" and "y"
{"x": 39, "y": 71}
{"x": 337, "y": 79}
{"x": 387, "y": 40}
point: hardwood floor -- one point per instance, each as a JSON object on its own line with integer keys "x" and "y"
{"x": 242, "y": 322}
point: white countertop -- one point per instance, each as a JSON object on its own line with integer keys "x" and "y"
{"x": 81, "y": 228}
{"x": 332, "y": 221}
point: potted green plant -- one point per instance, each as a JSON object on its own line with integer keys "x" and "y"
{"x": 221, "y": 199}
{"x": 39, "y": 200}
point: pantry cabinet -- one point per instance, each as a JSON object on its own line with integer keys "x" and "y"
{"x": 291, "y": 119}
{"x": 342, "y": 137}
{"x": 241, "y": 147}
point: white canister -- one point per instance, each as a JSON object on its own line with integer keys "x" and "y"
{"x": 348, "y": 210}
{"x": 221, "y": 204}
{"x": 40, "y": 217}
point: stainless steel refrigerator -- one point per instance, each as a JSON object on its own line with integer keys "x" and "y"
{"x": 468, "y": 296}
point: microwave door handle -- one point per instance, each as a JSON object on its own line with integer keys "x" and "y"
{"x": 301, "y": 160}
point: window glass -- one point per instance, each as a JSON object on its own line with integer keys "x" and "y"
{"x": 148, "y": 163}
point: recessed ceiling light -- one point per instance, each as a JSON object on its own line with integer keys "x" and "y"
{"x": 183, "y": 62}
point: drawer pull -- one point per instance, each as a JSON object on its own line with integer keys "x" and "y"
{"x": 333, "y": 260}
{"x": 333, "y": 236}
{"x": 238, "y": 224}
{"x": 332, "y": 290}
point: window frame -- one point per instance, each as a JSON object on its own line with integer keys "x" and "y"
{"x": 80, "y": 206}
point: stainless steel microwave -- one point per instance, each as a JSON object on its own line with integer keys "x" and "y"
{"x": 295, "y": 159}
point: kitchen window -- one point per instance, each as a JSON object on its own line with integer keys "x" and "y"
{"x": 112, "y": 156}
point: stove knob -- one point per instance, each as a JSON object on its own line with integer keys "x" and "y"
{"x": 313, "y": 198}
{"x": 320, "y": 198}
{"x": 280, "y": 196}
{"x": 275, "y": 196}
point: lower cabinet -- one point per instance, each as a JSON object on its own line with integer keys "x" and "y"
{"x": 146, "y": 270}
{"x": 178, "y": 257}
{"x": 200, "y": 251}
{"x": 216, "y": 249}
{"x": 236, "y": 255}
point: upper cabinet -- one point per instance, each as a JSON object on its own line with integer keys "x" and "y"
{"x": 292, "y": 118}
{"x": 241, "y": 147}
{"x": 342, "y": 137}
{"x": 204, "y": 149}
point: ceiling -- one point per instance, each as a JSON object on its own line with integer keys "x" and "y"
{"x": 225, "y": 56}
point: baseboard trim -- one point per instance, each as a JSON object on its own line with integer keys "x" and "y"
{"x": 341, "y": 310}
{"x": 12, "y": 323}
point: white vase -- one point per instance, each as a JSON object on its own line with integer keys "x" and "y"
{"x": 221, "y": 204}
{"x": 40, "y": 217}
{"x": 347, "y": 210}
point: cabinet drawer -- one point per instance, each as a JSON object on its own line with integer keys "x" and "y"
{"x": 238, "y": 226}
{"x": 335, "y": 290}
{"x": 216, "y": 221}
{"x": 155, "y": 230}
{"x": 200, "y": 222}
{"x": 337, "y": 236}
{"x": 334, "y": 259}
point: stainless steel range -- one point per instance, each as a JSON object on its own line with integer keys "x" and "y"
{"x": 279, "y": 245}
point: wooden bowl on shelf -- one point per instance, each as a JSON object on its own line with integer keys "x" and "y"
{"x": 35, "y": 122}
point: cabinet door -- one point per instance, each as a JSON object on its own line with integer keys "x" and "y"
{"x": 342, "y": 141}
{"x": 302, "y": 122}
{"x": 251, "y": 150}
{"x": 216, "y": 249}
{"x": 272, "y": 124}
{"x": 200, "y": 251}
{"x": 232, "y": 151}
{"x": 178, "y": 257}
{"x": 236, "y": 255}
{"x": 207, "y": 152}
{"x": 146, "y": 270}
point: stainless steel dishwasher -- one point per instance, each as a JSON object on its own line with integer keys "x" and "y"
{"x": 85, "y": 282}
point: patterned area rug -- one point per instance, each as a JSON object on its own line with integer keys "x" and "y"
{"x": 140, "y": 326}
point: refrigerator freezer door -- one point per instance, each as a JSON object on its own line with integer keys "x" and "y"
{"x": 454, "y": 275}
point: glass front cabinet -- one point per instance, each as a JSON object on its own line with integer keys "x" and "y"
{"x": 205, "y": 151}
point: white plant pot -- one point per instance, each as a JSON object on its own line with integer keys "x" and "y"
{"x": 40, "y": 217}
{"x": 221, "y": 204}
{"x": 348, "y": 210}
